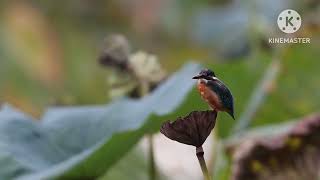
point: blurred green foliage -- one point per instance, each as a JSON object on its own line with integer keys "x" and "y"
{"x": 85, "y": 141}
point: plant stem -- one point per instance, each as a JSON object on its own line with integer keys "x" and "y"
{"x": 259, "y": 96}
{"x": 152, "y": 163}
{"x": 144, "y": 90}
{"x": 203, "y": 165}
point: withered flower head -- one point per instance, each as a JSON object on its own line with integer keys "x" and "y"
{"x": 116, "y": 52}
{"x": 133, "y": 73}
{"x": 147, "y": 67}
{"x": 294, "y": 155}
{"x": 192, "y": 129}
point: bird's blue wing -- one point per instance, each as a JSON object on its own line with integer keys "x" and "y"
{"x": 224, "y": 93}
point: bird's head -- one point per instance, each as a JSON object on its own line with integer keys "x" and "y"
{"x": 205, "y": 74}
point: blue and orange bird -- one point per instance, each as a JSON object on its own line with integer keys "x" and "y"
{"x": 214, "y": 92}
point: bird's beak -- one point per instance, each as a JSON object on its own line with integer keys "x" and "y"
{"x": 197, "y": 77}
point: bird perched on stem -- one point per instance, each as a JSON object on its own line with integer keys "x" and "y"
{"x": 214, "y": 92}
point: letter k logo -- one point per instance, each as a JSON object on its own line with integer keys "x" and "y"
{"x": 288, "y": 21}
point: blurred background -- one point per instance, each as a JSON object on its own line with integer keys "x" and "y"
{"x": 49, "y": 52}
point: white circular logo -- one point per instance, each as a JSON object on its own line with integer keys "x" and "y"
{"x": 289, "y": 21}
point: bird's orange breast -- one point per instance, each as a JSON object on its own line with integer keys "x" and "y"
{"x": 210, "y": 97}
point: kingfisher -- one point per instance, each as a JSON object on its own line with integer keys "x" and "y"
{"x": 214, "y": 92}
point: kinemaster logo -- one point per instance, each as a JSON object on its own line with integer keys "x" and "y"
{"x": 289, "y": 22}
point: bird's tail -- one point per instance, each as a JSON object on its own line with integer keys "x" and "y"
{"x": 231, "y": 114}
